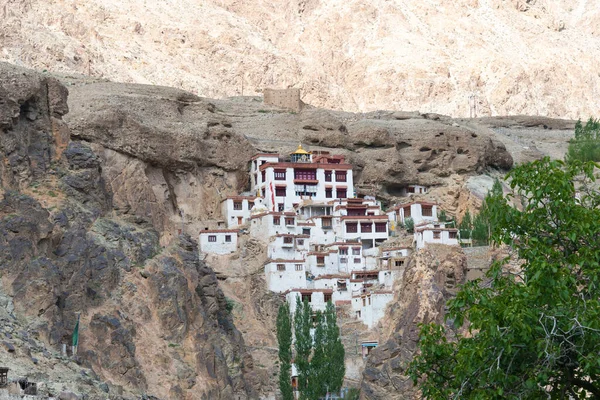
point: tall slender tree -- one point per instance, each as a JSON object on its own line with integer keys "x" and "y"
{"x": 284, "y": 338}
{"x": 318, "y": 362}
{"x": 335, "y": 367}
{"x": 303, "y": 344}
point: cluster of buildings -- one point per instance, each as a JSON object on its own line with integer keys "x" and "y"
{"x": 323, "y": 242}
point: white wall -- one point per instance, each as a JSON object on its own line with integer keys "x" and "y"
{"x": 281, "y": 281}
{"x": 220, "y": 246}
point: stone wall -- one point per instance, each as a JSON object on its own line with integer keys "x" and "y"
{"x": 284, "y": 98}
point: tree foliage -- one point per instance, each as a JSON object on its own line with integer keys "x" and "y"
{"x": 319, "y": 359}
{"x": 284, "y": 338}
{"x": 409, "y": 224}
{"x": 533, "y": 332}
{"x": 303, "y": 343}
{"x": 585, "y": 146}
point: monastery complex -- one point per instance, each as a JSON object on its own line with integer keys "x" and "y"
{"x": 324, "y": 243}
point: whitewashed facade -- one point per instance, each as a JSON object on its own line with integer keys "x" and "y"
{"x": 218, "y": 241}
{"x": 419, "y": 211}
{"x": 435, "y": 233}
{"x": 237, "y": 209}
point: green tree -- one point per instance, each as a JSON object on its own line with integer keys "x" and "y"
{"x": 335, "y": 367}
{"x": 585, "y": 146}
{"x": 409, "y": 224}
{"x": 466, "y": 226}
{"x": 284, "y": 338}
{"x": 303, "y": 343}
{"x": 535, "y": 332}
{"x": 442, "y": 216}
{"x": 318, "y": 363}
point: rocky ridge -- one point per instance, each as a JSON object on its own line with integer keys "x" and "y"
{"x": 516, "y": 57}
{"x": 154, "y": 320}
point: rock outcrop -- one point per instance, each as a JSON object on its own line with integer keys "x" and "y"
{"x": 497, "y": 57}
{"x": 430, "y": 279}
{"x": 153, "y": 318}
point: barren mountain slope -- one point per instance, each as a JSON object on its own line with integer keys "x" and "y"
{"x": 519, "y": 56}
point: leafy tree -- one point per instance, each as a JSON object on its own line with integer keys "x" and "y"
{"x": 335, "y": 366}
{"x": 303, "y": 343}
{"x": 284, "y": 338}
{"x": 466, "y": 226}
{"x": 318, "y": 363}
{"x": 409, "y": 224}
{"x": 442, "y": 216}
{"x": 585, "y": 146}
{"x": 535, "y": 332}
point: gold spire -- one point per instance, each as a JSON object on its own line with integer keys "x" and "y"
{"x": 300, "y": 150}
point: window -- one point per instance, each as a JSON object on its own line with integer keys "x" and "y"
{"x": 356, "y": 251}
{"x": 407, "y": 212}
{"x": 212, "y": 238}
{"x": 228, "y": 238}
{"x": 288, "y": 240}
{"x": 280, "y": 174}
{"x": 351, "y": 227}
{"x": 280, "y": 207}
{"x": 280, "y": 267}
{"x": 255, "y": 180}
{"x": 305, "y": 174}
{"x": 327, "y": 176}
{"x": 298, "y": 267}
{"x": 357, "y": 261}
{"x": 306, "y": 297}
{"x": 321, "y": 260}
{"x": 263, "y": 162}
{"x": 427, "y": 211}
{"x": 327, "y": 297}
{"x": 280, "y": 191}
{"x": 276, "y": 220}
{"x": 328, "y": 193}
{"x": 326, "y": 223}
{"x": 366, "y": 227}
{"x": 300, "y": 242}
{"x": 343, "y": 251}
{"x": 411, "y": 189}
{"x": 452, "y": 235}
{"x": 237, "y": 205}
{"x": 399, "y": 263}
{"x": 263, "y": 175}
{"x": 364, "y": 299}
{"x": 369, "y": 298}
{"x": 356, "y": 211}
{"x": 341, "y": 193}
{"x": 343, "y": 260}
{"x": 255, "y": 164}
{"x": 289, "y": 221}
{"x": 340, "y": 176}
{"x": 250, "y": 204}
{"x": 358, "y": 314}
{"x": 436, "y": 234}
{"x": 380, "y": 226}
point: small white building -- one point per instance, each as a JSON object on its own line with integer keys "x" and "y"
{"x": 372, "y": 306}
{"x": 218, "y": 241}
{"x": 419, "y": 212}
{"x": 282, "y": 275}
{"x": 435, "y": 233}
{"x": 237, "y": 209}
{"x": 317, "y": 298}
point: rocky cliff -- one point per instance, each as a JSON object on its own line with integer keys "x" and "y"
{"x": 514, "y": 57}
{"x": 154, "y": 320}
{"x": 430, "y": 279}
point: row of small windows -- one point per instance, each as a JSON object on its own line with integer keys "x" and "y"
{"x": 366, "y": 227}
{"x": 213, "y": 238}
{"x": 344, "y": 251}
{"x": 307, "y": 190}
{"x": 281, "y": 267}
{"x": 309, "y": 175}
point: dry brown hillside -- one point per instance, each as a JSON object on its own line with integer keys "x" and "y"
{"x": 535, "y": 57}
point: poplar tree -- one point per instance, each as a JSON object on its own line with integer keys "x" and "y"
{"x": 284, "y": 338}
{"x": 319, "y": 361}
{"x": 303, "y": 344}
{"x": 335, "y": 367}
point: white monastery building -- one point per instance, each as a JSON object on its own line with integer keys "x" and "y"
{"x": 323, "y": 242}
